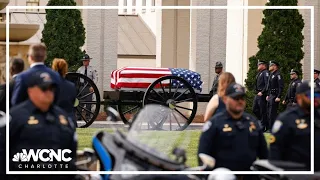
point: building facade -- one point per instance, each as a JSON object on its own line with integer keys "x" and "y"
{"x": 192, "y": 39}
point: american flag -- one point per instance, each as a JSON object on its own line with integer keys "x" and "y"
{"x": 142, "y": 77}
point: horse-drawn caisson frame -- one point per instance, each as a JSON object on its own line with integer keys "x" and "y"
{"x": 181, "y": 97}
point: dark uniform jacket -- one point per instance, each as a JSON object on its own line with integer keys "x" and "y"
{"x": 291, "y": 93}
{"x": 32, "y": 129}
{"x": 317, "y": 83}
{"x": 262, "y": 81}
{"x": 290, "y": 140}
{"x": 235, "y": 144}
{"x": 67, "y": 96}
{"x": 215, "y": 83}
{"x": 20, "y": 88}
{"x": 275, "y": 84}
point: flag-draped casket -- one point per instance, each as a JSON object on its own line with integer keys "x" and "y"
{"x": 142, "y": 77}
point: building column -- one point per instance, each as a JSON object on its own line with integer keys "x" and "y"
{"x": 208, "y": 42}
{"x": 236, "y": 55}
{"x": 173, "y": 35}
{"x": 101, "y": 40}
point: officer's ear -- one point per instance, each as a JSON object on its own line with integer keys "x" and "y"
{"x": 224, "y": 99}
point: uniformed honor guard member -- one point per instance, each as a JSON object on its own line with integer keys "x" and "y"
{"x": 316, "y": 78}
{"x": 290, "y": 139}
{"x": 233, "y": 137}
{"x": 90, "y": 72}
{"x": 290, "y": 98}
{"x": 275, "y": 88}
{"x": 218, "y": 70}
{"x": 37, "y": 124}
{"x": 260, "y": 103}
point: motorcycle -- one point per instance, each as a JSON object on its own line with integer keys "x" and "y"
{"x": 136, "y": 148}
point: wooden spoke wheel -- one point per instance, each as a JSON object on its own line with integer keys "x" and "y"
{"x": 177, "y": 94}
{"x": 87, "y": 105}
{"x": 127, "y": 112}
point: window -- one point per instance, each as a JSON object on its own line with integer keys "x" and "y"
{"x": 144, "y": 3}
{"x": 134, "y": 4}
{"x": 153, "y": 3}
{"x": 125, "y": 3}
{"x": 33, "y": 3}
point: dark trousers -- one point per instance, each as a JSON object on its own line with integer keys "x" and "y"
{"x": 260, "y": 109}
{"x": 272, "y": 109}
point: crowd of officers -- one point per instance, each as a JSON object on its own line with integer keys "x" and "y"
{"x": 41, "y": 111}
{"x": 42, "y": 116}
{"x": 236, "y": 139}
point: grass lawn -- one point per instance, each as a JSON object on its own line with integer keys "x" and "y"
{"x": 163, "y": 141}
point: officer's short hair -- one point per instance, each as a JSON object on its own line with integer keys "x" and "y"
{"x": 38, "y": 52}
{"x": 16, "y": 65}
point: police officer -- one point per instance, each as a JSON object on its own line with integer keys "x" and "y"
{"x": 316, "y": 78}
{"x": 90, "y": 72}
{"x": 290, "y": 98}
{"x": 317, "y": 129}
{"x": 260, "y": 103}
{"x": 274, "y": 88}
{"x": 290, "y": 139}
{"x": 233, "y": 137}
{"x": 38, "y": 124}
{"x": 218, "y": 70}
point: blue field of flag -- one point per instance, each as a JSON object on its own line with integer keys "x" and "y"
{"x": 192, "y": 77}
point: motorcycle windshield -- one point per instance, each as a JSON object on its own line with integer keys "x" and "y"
{"x": 154, "y": 131}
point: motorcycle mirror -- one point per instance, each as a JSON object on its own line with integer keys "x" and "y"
{"x": 207, "y": 160}
{"x": 112, "y": 114}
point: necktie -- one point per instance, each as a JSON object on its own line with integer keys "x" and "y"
{"x": 85, "y": 72}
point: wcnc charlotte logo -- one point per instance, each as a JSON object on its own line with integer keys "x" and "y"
{"x": 43, "y": 159}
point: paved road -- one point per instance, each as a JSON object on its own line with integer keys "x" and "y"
{"x": 108, "y": 124}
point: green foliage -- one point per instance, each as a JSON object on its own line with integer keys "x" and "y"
{"x": 64, "y": 34}
{"x": 281, "y": 40}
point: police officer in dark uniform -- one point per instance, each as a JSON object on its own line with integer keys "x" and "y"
{"x": 290, "y": 139}
{"x": 290, "y": 98}
{"x": 275, "y": 88}
{"x": 38, "y": 123}
{"x": 317, "y": 129}
{"x": 259, "y": 102}
{"x": 218, "y": 70}
{"x": 233, "y": 137}
{"x": 316, "y": 78}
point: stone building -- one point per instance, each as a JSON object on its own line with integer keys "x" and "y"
{"x": 192, "y": 39}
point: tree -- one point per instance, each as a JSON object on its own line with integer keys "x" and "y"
{"x": 281, "y": 40}
{"x": 64, "y": 34}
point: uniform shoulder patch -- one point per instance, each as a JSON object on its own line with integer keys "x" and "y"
{"x": 279, "y": 76}
{"x": 206, "y": 126}
{"x": 276, "y": 126}
{"x": 267, "y": 74}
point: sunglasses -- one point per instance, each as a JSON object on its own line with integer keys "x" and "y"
{"x": 47, "y": 88}
{"x": 237, "y": 98}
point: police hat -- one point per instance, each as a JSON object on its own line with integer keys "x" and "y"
{"x": 219, "y": 64}
{"x": 294, "y": 72}
{"x": 235, "y": 90}
{"x": 86, "y": 57}
{"x": 41, "y": 79}
{"x": 261, "y": 62}
{"x": 304, "y": 88}
{"x": 273, "y": 63}
{"x": 316, "y": 71}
